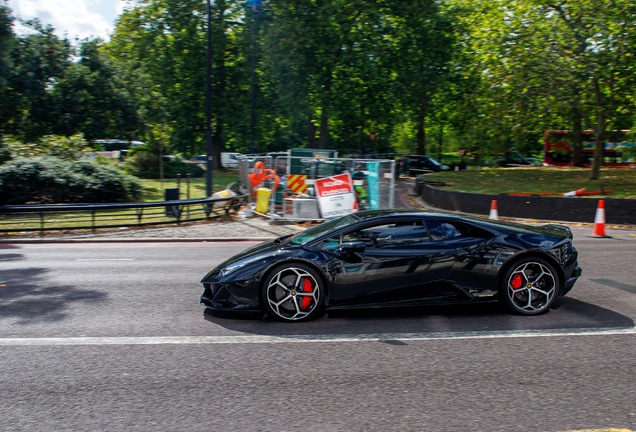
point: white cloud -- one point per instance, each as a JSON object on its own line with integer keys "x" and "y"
{"x": 75, "y": 18}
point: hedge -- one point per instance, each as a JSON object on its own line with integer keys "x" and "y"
{"x": 48, "y": 179}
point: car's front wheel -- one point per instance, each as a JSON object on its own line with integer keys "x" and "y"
{"x": 293, "y": 292}
{"x": 529, "y": 286}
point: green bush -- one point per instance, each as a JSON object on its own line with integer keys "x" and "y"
{"x": 47, "y": 179}
{"x": 70, "y": 148}
{"x": 145, "y": 164}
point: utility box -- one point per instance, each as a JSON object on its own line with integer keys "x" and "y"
{"x": 301, "y": 208}
{"x": 172, "y": 194}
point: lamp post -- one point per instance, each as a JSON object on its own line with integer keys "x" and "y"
{"x": 208, "y": 103}
{"x": 254, "y": 4}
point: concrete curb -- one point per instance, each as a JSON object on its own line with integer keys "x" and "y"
{"x": 135, "y": 240}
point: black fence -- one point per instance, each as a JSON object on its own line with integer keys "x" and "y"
{"x": 20, "y": 218}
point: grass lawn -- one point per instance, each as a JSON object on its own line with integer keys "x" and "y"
{"x": 153, "y": 189}
{"x": 622, "y": 181}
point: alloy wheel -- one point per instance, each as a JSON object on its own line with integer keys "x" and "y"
{"x": 531, "y": 287}
{"x": 293, "y": 294}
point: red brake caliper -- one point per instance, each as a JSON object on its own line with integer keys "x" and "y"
{"x": 517, "y": 281}
{"x": 306, "y": 288}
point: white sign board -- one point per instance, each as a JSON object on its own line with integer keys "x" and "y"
{"x": 335, "y": 196}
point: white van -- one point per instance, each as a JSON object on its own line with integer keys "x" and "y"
{"x": 230, "y": 160}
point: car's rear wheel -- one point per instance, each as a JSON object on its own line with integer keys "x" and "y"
{"x": 529, "y": 286}
{"x": 293, "y": 292}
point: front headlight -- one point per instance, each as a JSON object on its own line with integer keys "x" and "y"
{"x": 227, "y": 270}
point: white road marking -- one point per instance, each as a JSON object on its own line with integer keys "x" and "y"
{"x": 104, "y": 259}
{"x": 203, "y": 340}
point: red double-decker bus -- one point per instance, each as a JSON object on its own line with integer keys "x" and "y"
{"x": 558, "y": 151}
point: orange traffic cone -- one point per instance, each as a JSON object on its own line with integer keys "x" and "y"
{"x": 494, "y": 215}
{"x": 599, "y": 220}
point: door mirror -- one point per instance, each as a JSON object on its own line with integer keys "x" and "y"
{"x": 352, "y": 247}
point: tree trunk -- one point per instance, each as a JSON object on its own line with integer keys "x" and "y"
{"x": 324, "y": 129}
{"x": 440, "y": 141}
{"x": 421, "y": 137}
{"x": 311, "y": 132}
{"x": 323, "y": 142}
{"x": 219, "y": 145}
{"x": 599, "y": 146}
{"x": 599, "y": 134}
{"x": 577, "y": 132}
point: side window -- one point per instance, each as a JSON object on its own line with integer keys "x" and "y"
{"x": 442, "y": 230}
{"x": 331, "y": 244}
{"x": 387, "y": 235}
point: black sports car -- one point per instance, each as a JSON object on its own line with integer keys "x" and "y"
{"x": 382, "y": 258}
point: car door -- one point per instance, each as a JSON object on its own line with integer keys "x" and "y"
{"x": 399, "y": 263}
{"x": 476, "y": 258}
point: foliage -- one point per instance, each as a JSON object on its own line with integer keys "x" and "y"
{"x": 144, "y": 161}
{"x": 145, "y": 164}
{"x": 47, "y": 179}
{"x": 425, "y": 75}
{"x": 70, "y": 148}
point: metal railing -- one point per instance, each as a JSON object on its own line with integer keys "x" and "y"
{"x": 17, "y": 218}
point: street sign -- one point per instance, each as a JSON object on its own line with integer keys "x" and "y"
{"x": 373, "y": 136}
{"x": 335, "y": 196}
{"x": 462, "y": 151}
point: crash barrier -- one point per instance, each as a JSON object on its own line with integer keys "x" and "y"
{"x": 619, "y": 211}
{"x": 20, "y": 218}
{"x": 284, "y": 188}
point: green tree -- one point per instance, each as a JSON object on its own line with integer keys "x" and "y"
{"x": 7, "y": 40}
{"x": 93, "y": 99}
{"x": 556, "y": 65}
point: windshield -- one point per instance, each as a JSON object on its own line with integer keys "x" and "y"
{"x": 325, "y": 227}
{"x": 434, "y": 162}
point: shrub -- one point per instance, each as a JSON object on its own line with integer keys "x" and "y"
{"x": 47, "y": 179}
{"x": 70, "y": 148}
{"x": 145, "y": 164}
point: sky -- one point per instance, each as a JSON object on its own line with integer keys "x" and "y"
{"x": 73, "y": 18}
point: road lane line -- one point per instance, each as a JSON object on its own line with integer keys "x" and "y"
{"x": 104, "y": 259}
{"x": 263, "y": 339}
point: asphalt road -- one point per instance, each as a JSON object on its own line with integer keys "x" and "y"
{"x": 111, "y": 337}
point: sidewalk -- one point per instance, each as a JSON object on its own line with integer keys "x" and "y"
{"x": 237, "y": 229}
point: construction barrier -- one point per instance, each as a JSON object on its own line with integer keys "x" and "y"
{"x": 291, "y": 181}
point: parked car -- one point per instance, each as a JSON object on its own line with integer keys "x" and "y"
{"x": 198, "y": 159}
{"x": 512, "y": 158}
{"x": 418, "y": 164}
{"x": 230, "y": 160}
{"x": 405, "y": 257}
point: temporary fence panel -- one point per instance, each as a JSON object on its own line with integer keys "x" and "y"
{"x": 295, "y": 196}
{"x": 299, "y": 158}
{"x": 255, "y": 171}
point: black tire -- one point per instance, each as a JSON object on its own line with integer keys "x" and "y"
{"x": 529, "y": 286}
{"x": 293, "y": 292}
{"x": 410, "y": 173}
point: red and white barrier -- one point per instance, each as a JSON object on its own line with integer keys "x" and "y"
{"x": 578, "y": 192}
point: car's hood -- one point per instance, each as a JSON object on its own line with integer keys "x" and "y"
{"x": 249, "y": 258}
{"x": 259, "y": 249}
